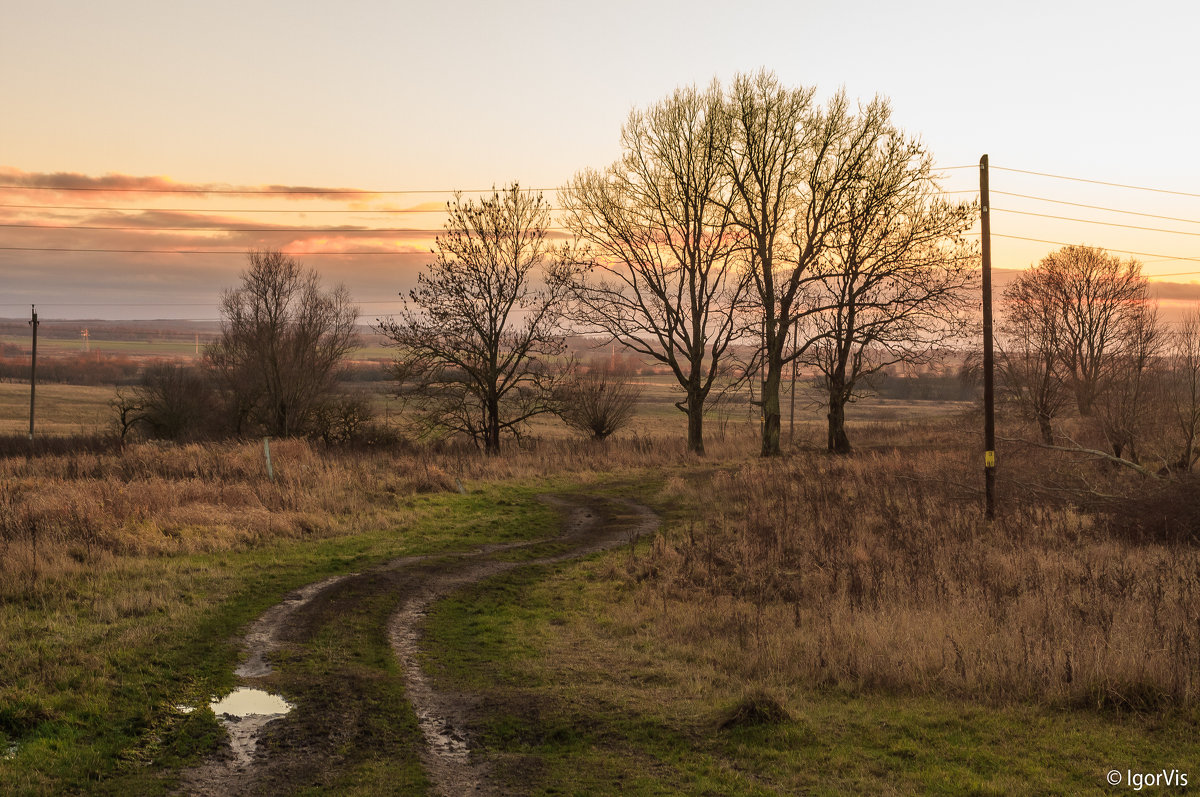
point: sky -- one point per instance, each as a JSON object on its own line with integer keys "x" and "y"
{"x": 432, "y": 97}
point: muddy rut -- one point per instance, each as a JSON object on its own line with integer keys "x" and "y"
{"x": 335, "y": 718}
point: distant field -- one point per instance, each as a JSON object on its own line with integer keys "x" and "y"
{"x": 75, "y": 409}
{"x": 61, "y": 409}
{"x": 132, "y": 348}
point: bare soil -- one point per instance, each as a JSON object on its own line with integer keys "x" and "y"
{"x": 338, "y": 723}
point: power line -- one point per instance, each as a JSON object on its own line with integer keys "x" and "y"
{"x": 1097, "y": 182}
{"x": 266, "y": 191}
{"x": 397, "y": 230}
{"x": 1087, "y": 221}
{"x": 364, "y": 212}
{"x": 231, "y": 229}
{"x": 242, "y": 252}
{"x": 302, "y": 191}
{"x": 1092, "y": 207}
{"x": 1122, "y": 251}
{"x": 226, "y": 210}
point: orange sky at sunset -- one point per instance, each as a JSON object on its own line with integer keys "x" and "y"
{"x": 221, "y": 102}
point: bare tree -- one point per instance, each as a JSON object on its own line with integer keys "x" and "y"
{"x": 791, "y": 165}
{"x": 282, "y": 339}
{"x": 128, "y": 410}
{"x": 477, "y": 330}
{"x": 174, "y": 402}
{"x": 1123, "y": 408}
{"x": 1028, "y": 349}
{"x": 1100, "y": 301}
{"x": 892, "y": 278}
{"x": 599, "y": 399}
{"x": 1183, "y": 389}
{"x": 657, "y": 233}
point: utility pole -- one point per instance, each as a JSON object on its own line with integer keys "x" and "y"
{"x": 32, "y": 369}
{"x": 989, "y": 409}
{"x": 87, "y": 341}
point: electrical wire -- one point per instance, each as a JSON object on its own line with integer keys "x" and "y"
{"x": 226, "y": 210}
{"x": 241, "y": 252}
{"x": 1083, "y": 221}
{"x": 318, "y": 192}
{"x": 1090, "y": 207}
{"x": 303, "y": 191}
{"x": 1107, "y": 249}
{"x": 1096, "y": 182}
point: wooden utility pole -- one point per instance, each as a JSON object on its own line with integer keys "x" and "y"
{"x": 989, "y": 409}
{"x": 33, "y": 369}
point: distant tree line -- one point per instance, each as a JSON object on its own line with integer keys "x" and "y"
{"x": 76, "y": 369}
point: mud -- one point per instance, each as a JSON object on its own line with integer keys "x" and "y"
{"x": 331, "y": 716}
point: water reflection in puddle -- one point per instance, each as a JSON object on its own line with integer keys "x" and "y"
{"x": 244, "y": 702}
{"x": 244, "y": 712}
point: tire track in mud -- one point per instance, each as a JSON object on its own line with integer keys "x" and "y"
{"x": 300, "y": 749}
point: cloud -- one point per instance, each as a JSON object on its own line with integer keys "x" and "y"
{"x": 91, "y": 188}
{"x": 1175, "y": 291}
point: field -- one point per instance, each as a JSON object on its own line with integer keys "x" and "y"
{"x": 809, "y": 624}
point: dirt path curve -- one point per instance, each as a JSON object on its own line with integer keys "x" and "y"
{"x": 334, "y": 716}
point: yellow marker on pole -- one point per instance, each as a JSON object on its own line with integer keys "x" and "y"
{"x": 989, "y": 459}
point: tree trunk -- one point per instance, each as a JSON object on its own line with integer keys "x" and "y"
{"x": 1085, "y": 399}
{"x": 1043, "y": 421}
{"x": 491, "y": 441}
{"x": 695, "y": 413}
{"x": 770, "y": 408}
{"x": 838, "y": 442}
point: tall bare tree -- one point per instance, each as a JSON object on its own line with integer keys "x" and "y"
{"x": 656, "y": 230}
{"x": 893, "y": 276}
{"x": 282, "y": 340}
{"x": 1124, "y": 407}
{"x": 1183, "y": 389}
{"x": 1100, "y": 301}
{"x": 476, "y": 332}
{"x": 1028, "y": 347}
{"x": 791, "y": 165}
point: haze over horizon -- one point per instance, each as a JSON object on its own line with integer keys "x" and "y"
{"x": 377, "y": 98}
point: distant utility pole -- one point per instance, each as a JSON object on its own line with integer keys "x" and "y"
{"x": 87, "y": 340}
{"x": 197, "y": 344}
{"x": 989, "y": 409}
{"x": 33, "y": 369}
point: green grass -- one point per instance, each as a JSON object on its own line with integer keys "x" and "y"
{"x": 584, "y": 703}
{"x": 137, "y": 348}
{"x": 93, "y": 665}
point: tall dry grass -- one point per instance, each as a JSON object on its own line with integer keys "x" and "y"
{"x": 69, "y": 509}
{"x": 878, "y": 571}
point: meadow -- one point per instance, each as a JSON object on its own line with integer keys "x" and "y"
{"x": 810, "y": 623}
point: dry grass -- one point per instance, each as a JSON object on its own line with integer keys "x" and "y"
{"x": 874, "y": 571}
{"x": 63, "y": 514}
{"x": 878, "y": 572}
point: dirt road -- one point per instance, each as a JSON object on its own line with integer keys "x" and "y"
{"x": 348, "y": 711}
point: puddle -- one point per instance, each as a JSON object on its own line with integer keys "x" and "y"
{"x": 244, "y": 702}
{"x": 244, "y": 712}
